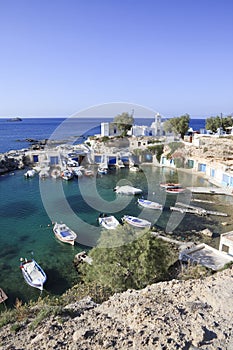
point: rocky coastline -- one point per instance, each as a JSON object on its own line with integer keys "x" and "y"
{"x": 12, "y": 161}
{"x": 188, "y": 315}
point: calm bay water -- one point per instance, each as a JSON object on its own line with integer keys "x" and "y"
{"x": 28, "y": 207}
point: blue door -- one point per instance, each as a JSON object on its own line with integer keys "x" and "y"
{"x": 35, "y": 158}
{"x": 202, "y": 167}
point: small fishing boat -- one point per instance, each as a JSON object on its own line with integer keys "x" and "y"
{"x": 149, "y": 204}
{"x": 170, "y": 185}
{"x": 132, "y": 220}
{"x": 33, "y": 274}
{"x": 67, "y": 175}
{"x": 134, "y": 169}
{"x": 30, "y": 173}
{"x": 72, "y": 163}
{"x": 64, "y": 233}
{"x": 88, "y": 172}
{"x": 77, "y": 171}
{"x": 128, "y": 190}
{"x": 102, "y": 170}
{"x": 175, "y": 190}
{"x": 120, "y": 164}
{"x": 43, "y": 174}
{"x": 55, "y": 173}
{"x": 108, "y": 221}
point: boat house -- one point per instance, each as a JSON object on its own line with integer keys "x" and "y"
{"x": 226, "y": 243}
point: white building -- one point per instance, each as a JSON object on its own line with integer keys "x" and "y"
{"x": 154, "y": 130}
{"x": 110, "y": 129}
{"x": 226, "y": 243}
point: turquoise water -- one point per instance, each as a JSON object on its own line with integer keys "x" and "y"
{"x": 28, "y": 207}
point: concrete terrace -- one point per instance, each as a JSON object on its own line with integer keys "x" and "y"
{"x": 206, "y": 256}
{"x": 211, "y": 190}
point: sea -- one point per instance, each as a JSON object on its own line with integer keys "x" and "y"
{"x": 28, "y": 207}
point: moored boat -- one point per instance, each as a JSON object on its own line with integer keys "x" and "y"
{"x": 102, "y": 170}
{"x": 149, "y": 204}
{"x": 55, "y": 173}
{"x": 88, "y": 172}
{"x": 134, "y": 169}
{"x": 128, "y": 190}
{"x": 170, "y": 185}
{"x": 77, "y": 171}
{"x": 43, "y": 174}
{"x": 108, "y": 221}
{"x": 64, "y": 233}
{"x": 175, "y": 190}
{"x": 67, "y": 175}
{"x": 30, "y": 173}
{"x": 33, "y": 273}
{"x": 137, "y": 222}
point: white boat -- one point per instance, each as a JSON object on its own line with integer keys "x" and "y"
{"x": 132, "y": 220}
{"x": 134, "y": 169}
{"x": 88, "y": 172}
{"x": 30, "y": 173}
{"x": 120, "y": 164}
{"x": 72, "y": 163}
{"x": 103, "y": 166}
{"x": 55, "y": 173}
{"x": 33, "y": 274}
{"x": 129, "y": 190}
{"x": 64, "y": 233}
{"x": 102, "y": 170}
{"x": 149, "y": 204}
{"x": 108, "y": 221}
{"x": 43, "y": 174}
{"x": 67, "y": 175}
{"x": 77, "y": 172}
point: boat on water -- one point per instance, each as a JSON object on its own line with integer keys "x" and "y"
{"x": 103, "y": 170}
{"x": 43, "y": 174}
{"x": 149, "y": 204}
{"x": 72, "y": 163}
{"x": 67, "y": 175}
{"x": 55, "y": 173}
{"x": 88, "y": 172}
{"x": 120, "y": 164}
{"x": 33, "y": 273}
{"x": 170, "y": 185}
{"x": 134, "y": 169}
{"x": 108, "y": 221}
{"x": 175, "y": 190}
{"x": 30, "y": 173}
{"x": 64, "y": 233}
{"x": 137, "y": 222}
{"x": 128, "y": 190}
{"x": 78, "y": 171}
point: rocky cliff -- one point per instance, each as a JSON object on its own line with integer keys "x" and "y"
{"x": 193, "y": 314}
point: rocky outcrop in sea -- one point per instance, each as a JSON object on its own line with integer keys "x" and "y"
{"x": 10, "y": 162}
{"x": 187, "y": 315}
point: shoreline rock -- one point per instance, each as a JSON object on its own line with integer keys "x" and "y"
{"x": 168, "y": 315}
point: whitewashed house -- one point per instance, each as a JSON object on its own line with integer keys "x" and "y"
{"x": 155, "y": 129}
{"x": 226, "y": 243}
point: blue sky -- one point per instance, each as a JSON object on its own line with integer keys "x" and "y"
{"x": 60, "y": 56}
